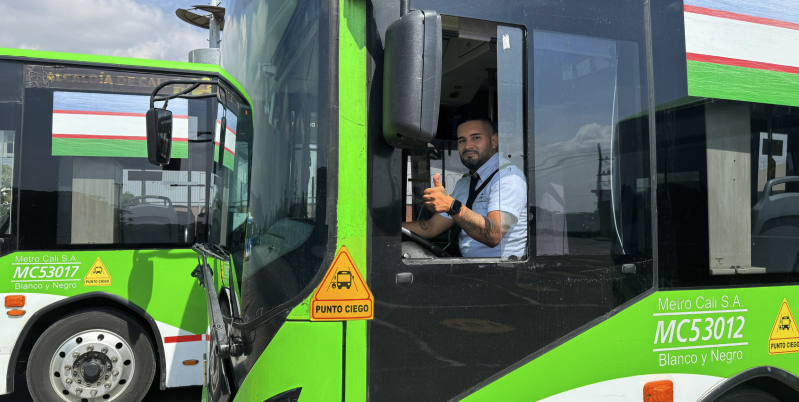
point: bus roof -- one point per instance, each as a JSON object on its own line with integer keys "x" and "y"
{"x": 115, "y": 61}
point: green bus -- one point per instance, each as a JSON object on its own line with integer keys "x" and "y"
{"x": 96, "y": 242}
{"x": 658, "y": 142}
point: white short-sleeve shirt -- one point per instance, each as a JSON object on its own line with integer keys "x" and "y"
{"x": 507, "y": 192}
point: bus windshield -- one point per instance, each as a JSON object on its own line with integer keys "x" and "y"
{"x": 85, "y": 179}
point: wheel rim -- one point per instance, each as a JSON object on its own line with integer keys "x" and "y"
{"x": 92, "y": 365}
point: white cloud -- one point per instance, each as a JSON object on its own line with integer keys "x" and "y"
{"x": 584, "y": 142}
{"x": 571, "y": 167}
{"x": 102, "y": 27}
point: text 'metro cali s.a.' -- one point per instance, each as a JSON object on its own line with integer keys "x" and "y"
{"x": 702, "y": 330}
{"x": 46, "y": 272}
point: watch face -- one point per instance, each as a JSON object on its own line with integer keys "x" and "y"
{"x": 455, "y": 208}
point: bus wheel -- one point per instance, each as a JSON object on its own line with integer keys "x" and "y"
{"x": 745, "y": 393}
{"x": 94, "y": 356}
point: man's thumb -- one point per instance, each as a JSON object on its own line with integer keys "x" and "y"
{"x": 436, "y": 182}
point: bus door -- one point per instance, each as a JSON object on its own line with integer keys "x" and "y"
{"x": 566, "y": 96}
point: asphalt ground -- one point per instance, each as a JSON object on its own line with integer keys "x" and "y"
{"x": 185, "y": 394}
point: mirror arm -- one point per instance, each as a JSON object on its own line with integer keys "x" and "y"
{"x": 195, "y": 96}
{"x": 161, "y": 86}
{"x": 185, "y": 97}
{"x": 153, "y": 99}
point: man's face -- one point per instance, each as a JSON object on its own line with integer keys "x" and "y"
{"x": 476, "y": 144}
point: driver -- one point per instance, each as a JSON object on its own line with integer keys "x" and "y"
{"x": 488, "y": 205}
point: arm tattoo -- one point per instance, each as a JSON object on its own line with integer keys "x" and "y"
{"x": 471, "y": 221}
{"x": 489, "y": 228}
{"x": 444, "y": 191}
{"x": 423, "y": 224}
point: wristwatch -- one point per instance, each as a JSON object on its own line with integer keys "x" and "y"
{"x": 455, "y": 208}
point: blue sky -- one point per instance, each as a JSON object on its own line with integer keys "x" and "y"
{"x": 133, "y": 28}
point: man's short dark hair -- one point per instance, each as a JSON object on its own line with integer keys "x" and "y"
{"x": 477, "y": 117}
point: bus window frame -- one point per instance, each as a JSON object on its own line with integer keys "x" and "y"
{"x": 529, "y": 160}
{"x": 141, "y": 70}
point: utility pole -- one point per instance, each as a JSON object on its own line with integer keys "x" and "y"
{"x": 214, "y": 22}
{"x": 214, "y": 36}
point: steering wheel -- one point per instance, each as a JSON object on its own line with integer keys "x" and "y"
{"x": 426, "y": 244}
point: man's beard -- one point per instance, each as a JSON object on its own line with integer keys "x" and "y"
{"x": 474, "y": 164}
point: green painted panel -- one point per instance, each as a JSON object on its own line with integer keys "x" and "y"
{"x": 111, "y": 148}
{"x": 158, "y": 281}
{"x": 302, "y": 354}
{"x": 740, "y": 83}
{"x": 623, "y": 346}
{"x": 120, "y": 62}
{"x": 356, "y": 361}
{"x": 352, "y": 220}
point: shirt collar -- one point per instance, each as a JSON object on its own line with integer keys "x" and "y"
{"x": 489, "y": 167}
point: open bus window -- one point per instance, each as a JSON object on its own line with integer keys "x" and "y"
{"x": 478, "y": 154}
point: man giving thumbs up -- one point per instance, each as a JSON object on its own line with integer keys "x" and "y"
{"x": 481, "y": 219}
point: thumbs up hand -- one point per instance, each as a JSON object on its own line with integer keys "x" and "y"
{"x": 437, "y": 199}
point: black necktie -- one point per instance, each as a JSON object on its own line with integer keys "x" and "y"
{"x": 453, "y": 248}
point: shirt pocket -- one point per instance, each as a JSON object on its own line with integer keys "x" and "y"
{"x": 481, "y": 204}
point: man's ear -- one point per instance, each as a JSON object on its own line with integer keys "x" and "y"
{"x": 495, "y": 142}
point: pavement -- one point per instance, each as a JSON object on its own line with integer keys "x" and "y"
{"x": 186, "y": 394}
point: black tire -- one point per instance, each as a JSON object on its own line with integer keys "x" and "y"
{"x": 746, "y": 393}
{"x": 120, "y": 324}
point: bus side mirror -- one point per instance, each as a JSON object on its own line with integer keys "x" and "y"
{"x": 412, "y": 79}
{"x": 159, "y": 136}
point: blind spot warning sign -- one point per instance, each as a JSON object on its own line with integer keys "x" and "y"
{"x": 343, "y": 294}
{"x": 784, "y": 336}
{"x": 98, "y": 275}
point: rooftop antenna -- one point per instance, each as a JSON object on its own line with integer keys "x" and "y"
{"x": 214, "y": 22}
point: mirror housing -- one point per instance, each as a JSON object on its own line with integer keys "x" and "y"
{"x": 412, "y": 79}
{"x": 159, "y": 136}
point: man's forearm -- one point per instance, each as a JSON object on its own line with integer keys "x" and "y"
{"x": 479, "y": 227}
{"x": 422, "y": 228}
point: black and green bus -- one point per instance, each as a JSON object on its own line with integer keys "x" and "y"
{"x": 658, "y": 140}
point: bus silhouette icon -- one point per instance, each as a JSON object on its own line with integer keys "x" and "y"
{"x": 785, "y": 323}
{"x": 343, "y": 279}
